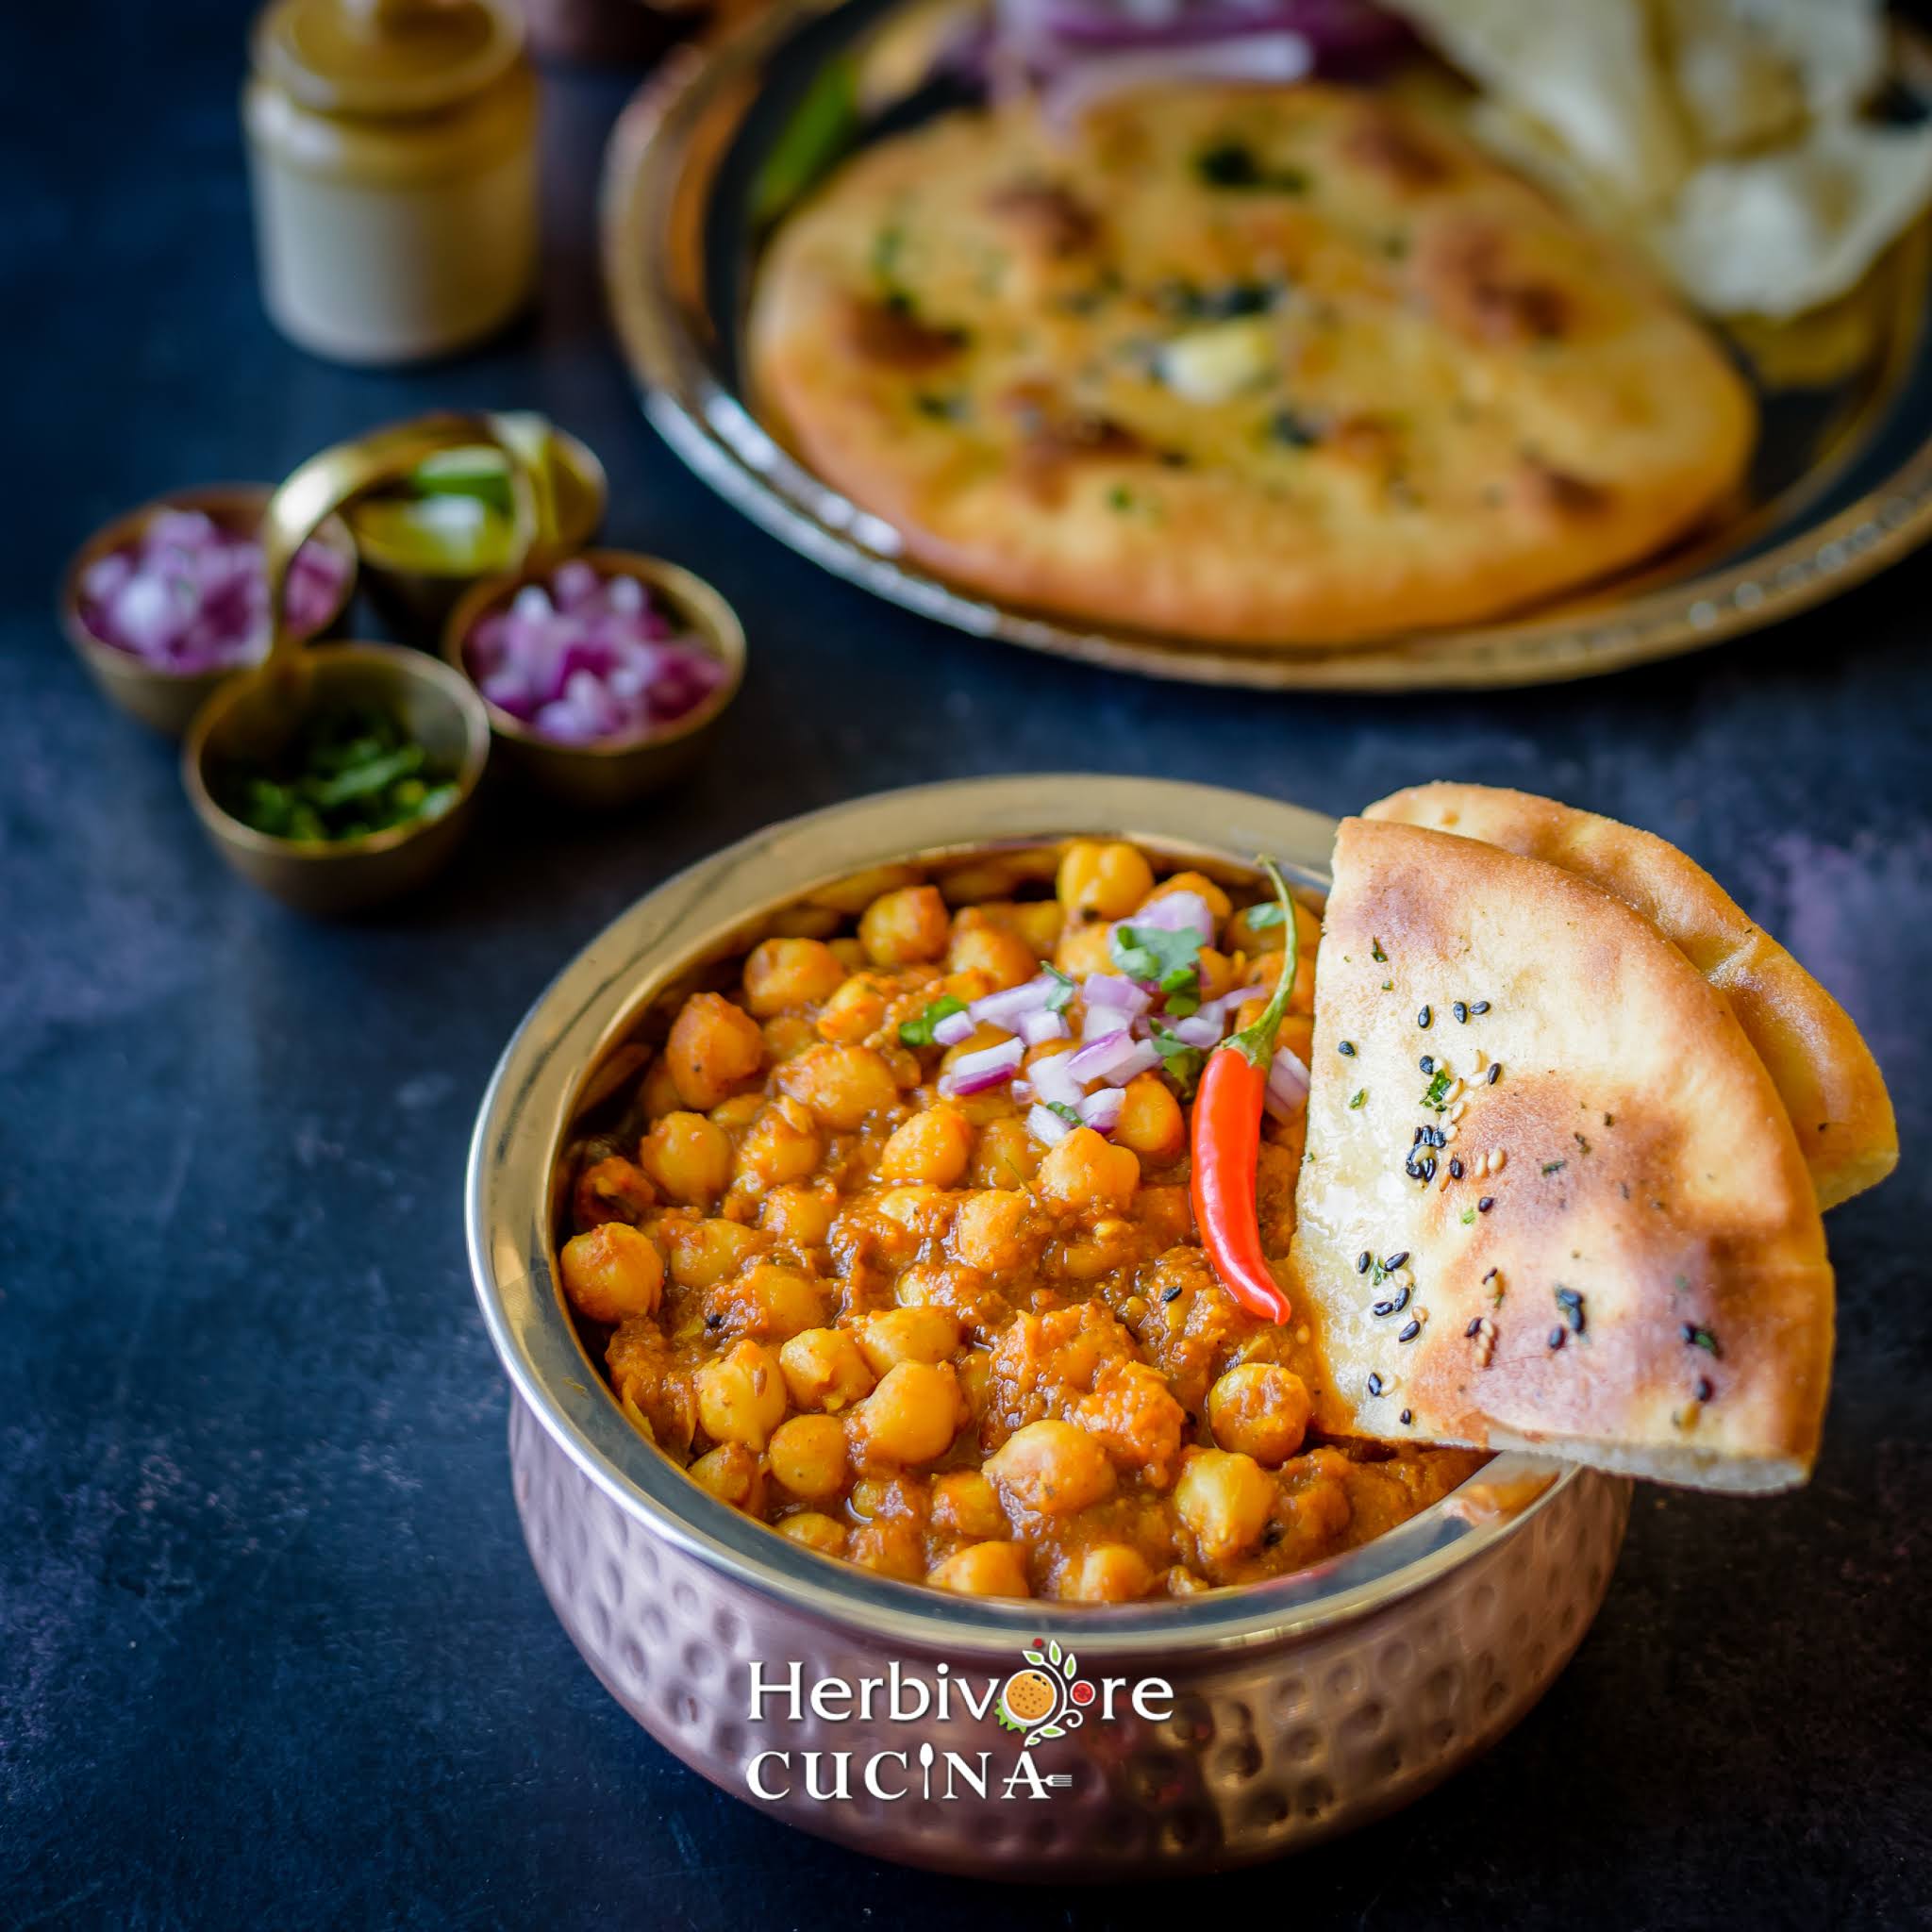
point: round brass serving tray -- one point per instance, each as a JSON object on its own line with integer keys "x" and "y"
{"x": 724, "y": 140}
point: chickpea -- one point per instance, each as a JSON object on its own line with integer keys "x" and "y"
{"x": 782, "y": 974}
{"x": 1165, "y": 1214}
{"x": 1039, "y": 923}
{"x": 900, "y": 927}
{"x": 892, "y": 1546}
{"x": 787, "y": 1037}
{"x": 613, "y": 1190}
{"x": 1107, "y": 1574}
{"x": 704, "y": 1252}
{"x": 741, "y": 1395}
{"x": 1004, "y": 955}
{"x": 854, "y": 894}
{"x": 993, "y": 1231}
{"x": 806, "y": 1454}
{"x": 1085, "y": 1171}
{"x": 933, "y": 1146}
{"x": 782, "y": 1144}
{"x": 816, "y": 1531}
{"x": 658, "y": 1095}
{"x": 1219, "y": 904}
{"x": 806, "y": 921}
{"x": 978, "y": 879}
{"x": 731, "y": 1472}
{"x": 908, "y": 1335}
{"x": 1051, "y": 1468}
{"x": 1223, "y": 1501}
{"x": 842, "y": 1085}
{"x": 975, "y": 1381}
{"x": 613, "y": 1272}
{"x": 1260, "y": 1409}
{"x": 921, "y": 1210}
{"x": 714, "y": 1050}
{"x": 855, "y": 1013}
{"x": 735, "y": 1114}
{"x": 984, "y": 1570}
{"x": 796, "y": 1216}
{"x": 1150, "y": 1121}
{"x": 824, "y": 1370}
{"x": 772, "y": 1302}
{"x": 1007, "y": 1155}
{"x": 1217, "y": 974}
{"x": 964, "y": 1503}
{"x": 912, "y": 1417}
{"x": 1083, "y": 950}
{"x": 1298, "y": 1035}
{"x": 1103, "y": 881}
{"x": 689, "y": 1156}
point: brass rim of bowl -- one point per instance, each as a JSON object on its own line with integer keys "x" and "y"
{"x": 213, "y": 500}
{"x": 225, "y": 825}
{"x": 710, "y": 619}
{"x": 574, "y": 455}
{"x": 594, "y": 1005}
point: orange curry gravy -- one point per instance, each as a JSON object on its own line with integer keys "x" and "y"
{"x": 904, "y": 1329}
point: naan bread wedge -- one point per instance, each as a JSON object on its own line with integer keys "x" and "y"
{"x": 1818, "y": 1061}
{"x": 1647, "y": 1290}
{"x": 1262, "y": 365}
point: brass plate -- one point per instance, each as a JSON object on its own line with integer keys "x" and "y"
{"x": 716, "y": 146}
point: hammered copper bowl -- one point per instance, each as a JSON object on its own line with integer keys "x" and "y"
{"x": 1301, "y": 1707}
{"x": 167, "y": 700}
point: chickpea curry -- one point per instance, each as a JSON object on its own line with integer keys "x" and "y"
{"x": 892, "y": 1244}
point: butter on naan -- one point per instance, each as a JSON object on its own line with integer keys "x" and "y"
{"x": 1647, "y": 1290}
{"x": 1830, "y": 1084}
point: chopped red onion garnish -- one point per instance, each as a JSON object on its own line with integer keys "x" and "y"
{"x": 1101, "y": 1110}
{"x": 189, "y": 594}
{"x": 955, "y": 1029}
{"x": 1199, "y": 1029}
{"x": 1288, "y": 1085}
{"x": 1008, "y": 1006}
{"x": 1097, "y": 1059}
{"x": 1054, "y": 1081}
{"x": 1113, "y": 990}
{"x": 1252, "y": 60}
{"x": 1037, "y": 1028}
{"x": 590, "y": 658}
{"x": 1144, "y": 1057}
{"x": 1178, "y": 912}
{"x": 1047, "y": 1127}
{"x": 974, "y": 1073}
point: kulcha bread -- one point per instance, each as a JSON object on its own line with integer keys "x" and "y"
{"x": 1248, "y": 364}
{"x": 1610, "y": 1249}
{"x": 1830, "y": 1084}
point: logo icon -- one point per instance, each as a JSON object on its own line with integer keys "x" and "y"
{"x": 1046, "y": 1700}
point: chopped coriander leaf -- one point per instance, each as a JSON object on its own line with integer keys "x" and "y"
{"x": 1469, "y": 1217}
{"x": 1168, "y": 960}
{"x": 1233, "y": 164}
{"x": 1070, "y": 1114}
{"x": 1437, "y": 1090}
{"x": 1553, "y": 1166}
{"x": 917, "y": 1031}
{"x": 1375, "y": 952}
{"x": 1260, "y": 917}
{"x": 1182, "y": 1063}
{"x": 1360, "y": 1094}
{"x": 1120, "y": 497}
{"x": 1292, "y": 431}
{"x": 1062, "y": 996}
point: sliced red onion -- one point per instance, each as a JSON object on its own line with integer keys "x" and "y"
{"x": 1047, "y": 1125}
{"x": 1053, "y": 1079}
{"x": 1036, "y": 1029}
{"x": 1102, "y": 1109}
{"x": 1021, "y": 1091}
{"x": 1113, "y": 990}
{"x": 1222, "y": 1010}
{"x": 1253, "y": 60}
{"x": 1333, "y": 27}
{"x": 589, "y": 658}
{"x": 1097, "y": 1060}
{"x": 955, "y": 1029}
{"x": 1144, "y": 1057}
{"x": 1009, "y": 1007}
{"x": 1288, "y": 1085}
{"x": 1177, "y": 913}
{"x": 974, "y": 1073}
{"x": 1198, "y": 1029}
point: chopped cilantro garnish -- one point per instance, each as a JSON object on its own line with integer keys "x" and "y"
{"x": 1062, "y": 996}
{"x": 1260, "y": 917}
{"x": 1180, "y": 1060}
{"x": 1553, "y": 1166}
{"x": 1360, "y": 1094}
{"x": 1469, "y": 1217}
{"x": 1120, "y": 498}
{"x": 918, "y": 1032}
{"x": 1375, "y": 952}
{"x": 1439, "y": 1087}
{"x": 1170, "y": 960}
{"x": 1070, "y": 1114}
{"x": 1292, "y": 431}
{"x": 1233, "y": 164}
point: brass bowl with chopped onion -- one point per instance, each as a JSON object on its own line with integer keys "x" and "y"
{"x": 1271, "y": 1714}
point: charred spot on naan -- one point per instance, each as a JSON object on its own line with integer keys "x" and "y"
{"x": 1393, "y": 148}
{"x": 1465, "y": 273}
{"x": 1047, "y": 216}
{"x": 889, "y": 332}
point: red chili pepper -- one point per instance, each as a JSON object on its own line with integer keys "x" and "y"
{"x": 1227, "y": 1145}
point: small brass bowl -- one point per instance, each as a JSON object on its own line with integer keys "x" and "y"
{"x": 617, "y": 771}
{"x": 420, "y": 601}
{"x": 166, "y": 701}
{"x": 252, "y": 719}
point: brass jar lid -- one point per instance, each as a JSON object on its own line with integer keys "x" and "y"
{"x": 379, "y": 57}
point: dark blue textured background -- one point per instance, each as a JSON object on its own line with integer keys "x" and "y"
{"x": 270, "y": 1653}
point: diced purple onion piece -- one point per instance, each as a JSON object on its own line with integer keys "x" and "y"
{"x": 1252, "y": 60}
{"x": 955, "y": 1028}
{"x": 1177, "y": 913}
{"x": 1036, "y": 1028}
{"x": 1142, "y": 1059}
{"x": 1288, "y": 1086}
{"x": 1047, "y": 1125}
{"x": 1053, "y": 1079}
{"x": 1102, "y": 1109}
{"x": 1113, "y": 990}
{"x": 1008, "y": 1006}
{"x": 974, "y": 1073}
{"x": 1220, "y": 1010}
{"x": 1198, "y": 1029}
{"x": 1097, "y": 1059}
